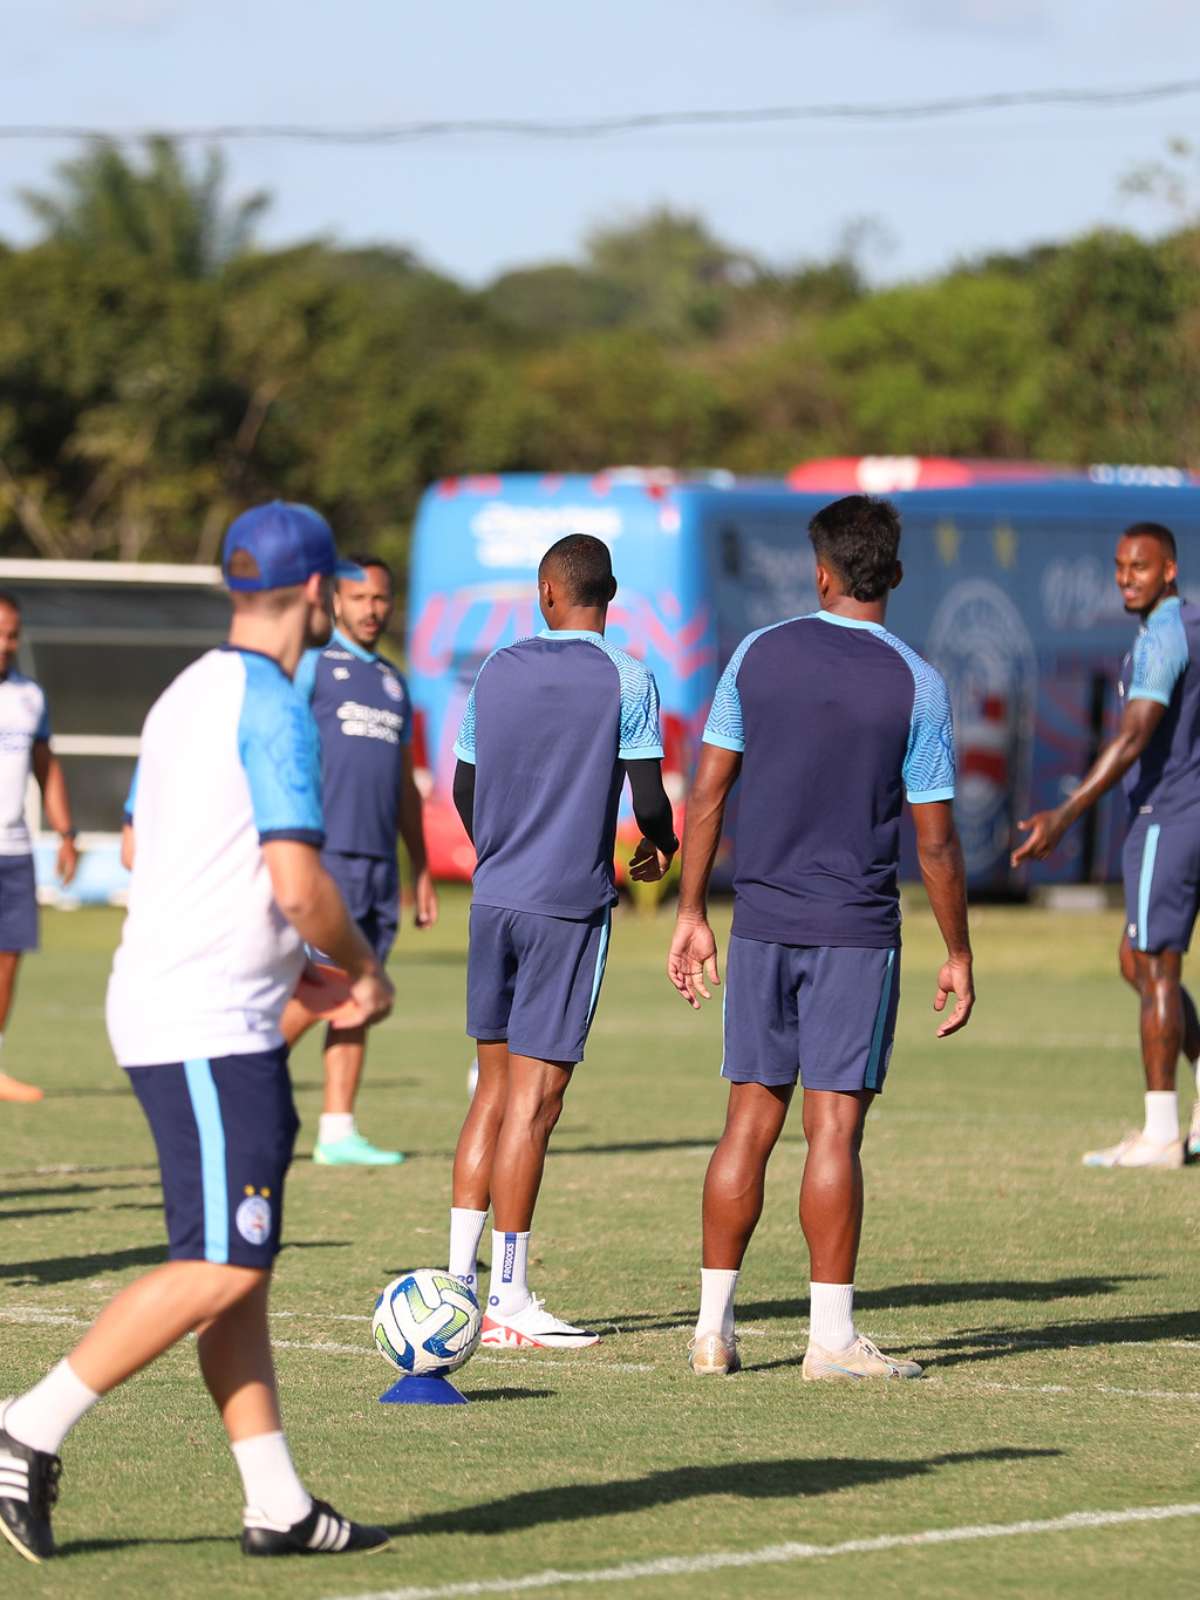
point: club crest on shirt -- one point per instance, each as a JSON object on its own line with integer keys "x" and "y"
{"x": 391, "y": 687}
{"x": 253, "y": 1219}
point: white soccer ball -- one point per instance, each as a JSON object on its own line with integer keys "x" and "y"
{"x": 426, "y": 1322}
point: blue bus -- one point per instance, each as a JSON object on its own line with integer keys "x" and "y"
{"x": 1008, "y": 590}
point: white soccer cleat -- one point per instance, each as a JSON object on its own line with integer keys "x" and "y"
{"x": 1135, "y": 1150}
{"x": 533, "y": 1328}
{"x": 1193, "y": 1138}
{"x": 862, "y": 1359}
{"x": 712, "y": 1355}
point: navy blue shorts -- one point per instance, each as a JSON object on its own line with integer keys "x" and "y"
{"x": 823, "y": 1013}
{"x": 1161, "y": 869}
{"x": 18, "y": 904}
{"x": 535, "y": 980}
{"x": 225, "y": 1130}
{"x": 370, "y": 887}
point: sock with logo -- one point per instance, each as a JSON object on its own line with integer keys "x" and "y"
{"x": 270, "y": 1483}
{"x": 1162, "y": 1116}
{"x": 43, "y": 1416}
{"x": 716, "y": 1301}
{"x": 466, "y": 1230}
{"x": 508, "y": 1291}
{"x": 335, "y": 1125}
{"x": 831, "y": 1315}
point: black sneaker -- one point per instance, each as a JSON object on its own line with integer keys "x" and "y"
{"x": 28, "y": 1490}
{"x": 323, "y": 1532}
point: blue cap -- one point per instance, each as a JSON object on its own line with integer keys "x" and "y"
{"x": 280, "y": 546}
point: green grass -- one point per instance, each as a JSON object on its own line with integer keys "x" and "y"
{"x": 1038, "y": 1293}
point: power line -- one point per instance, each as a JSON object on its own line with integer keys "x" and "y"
{"x": 601, "y": 127}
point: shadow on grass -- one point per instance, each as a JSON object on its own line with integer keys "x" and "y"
{"x": 43, "y": 1211}
{"x": 510, "y": 1394}
{"x": 904, "y": 1296}
{"x": 315, "y": 1084}
{"x": 975, "y": 1345}
{"x": 65, "y": 1269}
{"x": 70, "y": 1189}
{"x": 93, "y": 1547}
{"x": 746, "y": 1480}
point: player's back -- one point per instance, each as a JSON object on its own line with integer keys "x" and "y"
{"x": 836, "y": 718}
{"x": 548, "y": 725}
{"x": 207, "y": 960}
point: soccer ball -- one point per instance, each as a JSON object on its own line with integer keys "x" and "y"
{"x": 426, "y": 1322}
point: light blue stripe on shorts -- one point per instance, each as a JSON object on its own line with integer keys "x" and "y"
{"x": 206, "y": 1107}
{"x": 1146, "y": 883}
{"x": 871, "y": 1081}
{"x": 601, "y": 963}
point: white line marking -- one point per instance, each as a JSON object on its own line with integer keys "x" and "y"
{"x": 779, "y": 1554}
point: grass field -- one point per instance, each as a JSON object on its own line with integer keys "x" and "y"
{"x": 1056, "y": 1309}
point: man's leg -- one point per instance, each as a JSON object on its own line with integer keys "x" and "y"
{"x": 474, "y": 1158}
{"x": 831, "y": 1191}
{"x": 11, "y": 1088}
{"x": 1166, "y": 1017}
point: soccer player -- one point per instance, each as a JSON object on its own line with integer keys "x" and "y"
{"x": 24, "y": 747}
{"x": 227, "y": 886}
{"x": 551, "y": 727}
{"x": 364, "y": 717}
{"x": 1157, "y": 755}
{"x": 830, "y": 720}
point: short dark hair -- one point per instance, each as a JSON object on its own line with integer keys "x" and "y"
{"x": 585, "y": 566}
{"x": 859, "y": 537}
{"x": 10, "y": 600}
{"x": 365, "y": 561}
{"x": 1154, "y": 530}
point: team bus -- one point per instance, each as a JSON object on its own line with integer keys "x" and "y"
{"x": 1008, "y": 590}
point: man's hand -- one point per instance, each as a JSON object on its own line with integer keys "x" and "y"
{"x": 647, "y": 864}
{"x": 693, "y": 958}
{"x": 955, "y": 979}
{"x": 373, "y": 995}
{"x": 1045, "y": 829}
{"x": 68, "y": 860}
{"x": 425, "y": 896}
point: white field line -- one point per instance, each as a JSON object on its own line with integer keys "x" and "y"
{"x": 780, "y": 1554}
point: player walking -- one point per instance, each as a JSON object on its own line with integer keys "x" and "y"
{"x": 1157, "y": 755}
{"x": 552, "y": 726}
{"x": 364, "y": 717}
{"x": 829, "y": 720}
{"x": 227, "y": 885}
{"x": 24, "y": 748}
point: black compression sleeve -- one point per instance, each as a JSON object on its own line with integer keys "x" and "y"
{"x": 651, "y": 807}
{"x": 464, "y": 796}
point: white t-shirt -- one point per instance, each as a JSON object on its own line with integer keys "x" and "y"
{"x": 230, "y": 759}
{"x": 24, "y": 719}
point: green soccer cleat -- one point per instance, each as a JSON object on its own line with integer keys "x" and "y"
{"x": 355, "y": 1151}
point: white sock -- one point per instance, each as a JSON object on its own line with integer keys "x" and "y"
{"x": 45, "y": 1414}
{"x": 831, "y": 1315}
{"x": 335, "y": 1125}
{"x": 269, "y": 1480}
{"x": 508, "y": 1290}
{"x": 466, "y": 1230}
{"x": 1162, "y": 1116}
{"x": 716, "y": 1301}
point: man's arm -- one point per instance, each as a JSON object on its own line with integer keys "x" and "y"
{"x": 51, "y": 780}
{"x": 412, "y": 831}
{"x": 940, "y": 855}
{"x": 653, "y": 814}
{"x": 309, "y": 899}
{"x": 1046, "y": 828}
{"x": 693, "y": 954}
{"x": 464, "y": 795}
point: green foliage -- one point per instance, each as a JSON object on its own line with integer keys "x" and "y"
{"x": 157, "y": 372}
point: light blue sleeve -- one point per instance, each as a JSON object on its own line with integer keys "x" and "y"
{"x": 724, "y": 726}
{"x": 929, "y": 759}
{"x": 464, "y": 745}
{"x": 641, "y": 735}
{"x": 1160, "y": 657}
{"x": 305, "y": 680}
{"x": 281, "y": 754}
{"x": 131, "y": 797}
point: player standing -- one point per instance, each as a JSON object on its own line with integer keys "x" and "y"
{"x": 227, "y": 885}
{"x": 364, "y": 717}
{"x": 24, "y": 748}
{"x": 1157, "y": 754}
{"x": 552, "y": 726}
{"x": 829, "y": 720}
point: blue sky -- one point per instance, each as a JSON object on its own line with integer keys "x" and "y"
{"x": 474, "y": 206}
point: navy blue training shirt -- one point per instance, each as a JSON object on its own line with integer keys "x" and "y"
{"x": 836, "y": 720}
{"x": 364, "y": 716}
{"x": 547, "y": 727}
{"x": 1162, "y": 666}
